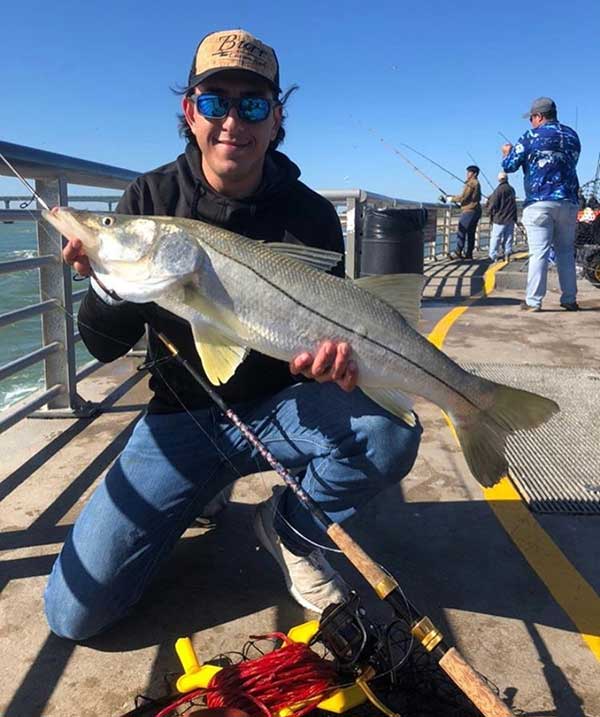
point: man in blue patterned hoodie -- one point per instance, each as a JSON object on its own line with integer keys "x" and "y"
{"x": 548, "y": 154}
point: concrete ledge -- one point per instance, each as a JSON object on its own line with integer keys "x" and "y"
{"x": 514, "y": 276}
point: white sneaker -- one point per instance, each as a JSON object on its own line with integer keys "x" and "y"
{"x": 311, "y": 580}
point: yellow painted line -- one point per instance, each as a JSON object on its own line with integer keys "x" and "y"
{"x": 567, "y": 586}
{"x": 440, "y": 330}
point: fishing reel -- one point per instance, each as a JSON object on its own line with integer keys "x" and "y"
{"x": 374, "y": 669}
{"x": 346, "y": 632}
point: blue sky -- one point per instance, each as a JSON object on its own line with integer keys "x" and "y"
{"x": 93, "y": 80}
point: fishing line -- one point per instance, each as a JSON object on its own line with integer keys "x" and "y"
{"x": 499, "y": 430}
{"x": 412, "y": 149}
{"x": 483, "y": 173}
{"x": 405, "y": 158}
{"x": 228, "y": 460}
{"x": 25, "y": 182}
{"x": 154, "y": 361}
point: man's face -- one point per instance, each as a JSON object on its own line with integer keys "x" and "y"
{"x": 470, "y": 174}
{"x": 536, "y": 120}
{"x": 233, "y": 151}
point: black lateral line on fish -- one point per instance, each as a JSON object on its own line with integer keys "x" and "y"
{"x": 341, "y": 326}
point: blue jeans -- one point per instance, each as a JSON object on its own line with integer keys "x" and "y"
{"x": 501, "y": 240}
{"x": 467, "y": 226}
{"x": 551, "y": 225}
{"x": 349, "y": 448}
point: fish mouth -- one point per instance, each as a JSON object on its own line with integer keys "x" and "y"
{"x": 65, "y": 222}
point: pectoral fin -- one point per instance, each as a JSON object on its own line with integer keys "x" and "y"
{"x": 394, "y": 401}
{"x": 220, "y": 355}
{"x": 402, "y": 291}
{"x": 220, "y": 358}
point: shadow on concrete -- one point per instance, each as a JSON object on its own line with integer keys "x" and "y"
{"x": 445, "y": 555}
{"x": 43, "y": 530}
{"x": 566, "y": 700}
{"x": 460, "y": 279}
{"x": 209, "y": 580}
{"x": 32, "y": 695}
{"x": 23, "y": 472}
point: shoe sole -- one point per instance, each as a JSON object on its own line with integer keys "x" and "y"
{"x": 264, "y": 540}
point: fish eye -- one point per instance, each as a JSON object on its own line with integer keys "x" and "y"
{"x": 108, "y": 221}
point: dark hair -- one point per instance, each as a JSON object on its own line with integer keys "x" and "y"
{"x": 473, "y": 168}
{"x": 550, "y": 115}
{"x": 186, "y": 133}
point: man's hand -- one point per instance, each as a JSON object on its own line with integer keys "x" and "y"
{"x": 75, "y": 256}
{"x": 332, "y": 362}
{"x": 506, "y": 147}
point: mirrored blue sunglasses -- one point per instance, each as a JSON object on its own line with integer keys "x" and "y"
{"x": 249, "y": 109}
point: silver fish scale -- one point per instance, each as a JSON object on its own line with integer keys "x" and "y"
{"x": 281, "y": 306}
{"x": 356, "y": 311}
{"x": 556, "y": 467}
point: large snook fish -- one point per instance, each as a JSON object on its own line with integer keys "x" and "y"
{"x": 240, "y": 294}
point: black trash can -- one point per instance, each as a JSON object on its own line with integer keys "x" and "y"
{"x": 392, "y": 241}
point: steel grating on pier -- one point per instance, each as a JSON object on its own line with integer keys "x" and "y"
{"x": 555, "y": 467}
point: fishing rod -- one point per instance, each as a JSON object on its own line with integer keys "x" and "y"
{"x": 383, "y": 583}
{"x": 518, "y": 224}
{"x": 414, "y": 166}
{"x": 25, "y": 182}
{"x": 482, "y": 172}
{"x": 412, "y": 149}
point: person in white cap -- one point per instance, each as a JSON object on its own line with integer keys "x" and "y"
{"x": 502, "y": 209}
{"x": 182, "y": 452}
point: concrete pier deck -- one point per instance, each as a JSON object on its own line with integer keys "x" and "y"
{"x": 517, "y": 592}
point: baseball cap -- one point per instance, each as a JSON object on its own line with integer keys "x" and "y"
{"x": 541, "y": 106}
{"x": 234, "y": 50}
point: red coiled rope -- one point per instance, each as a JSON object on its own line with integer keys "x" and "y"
{"x": 292, "y": 677}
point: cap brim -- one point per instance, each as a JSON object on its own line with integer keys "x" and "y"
{"x": 527, "y": 115}
{"x": 197, "y": 79}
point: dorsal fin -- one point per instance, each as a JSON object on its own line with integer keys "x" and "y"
{"x": 322, "y": 259}
{"x": 402, "y": 291}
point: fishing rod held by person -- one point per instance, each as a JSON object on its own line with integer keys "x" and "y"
{"x": 482, "y": 173}
{"x": 25, "y": 182}
{"x": 412, "y": 165}
{"x": 412, "y": 149}
{"x": 385, "y": 586}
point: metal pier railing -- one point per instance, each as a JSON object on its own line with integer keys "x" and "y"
{"x": 53, "y": 173}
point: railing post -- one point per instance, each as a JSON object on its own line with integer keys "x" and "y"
{"x": 57, "y": 326}
{"x": 447, "y": 229}
{"x": 353, "y": 215}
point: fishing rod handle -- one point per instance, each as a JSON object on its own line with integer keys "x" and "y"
{"x": 473, "y": 685}
{"x": 378, "y": 579}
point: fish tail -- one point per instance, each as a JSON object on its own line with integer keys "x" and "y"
{"x": 482, "y": 433}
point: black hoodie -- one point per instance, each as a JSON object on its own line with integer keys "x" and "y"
{"x": 282, "y": 209}
{"x": 502, "y": 204}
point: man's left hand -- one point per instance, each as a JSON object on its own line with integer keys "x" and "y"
{"x": 331, "y": 362}
{"x": 506, "y": 148}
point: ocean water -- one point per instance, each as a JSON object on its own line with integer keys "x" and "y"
{"x": 17, "y": 290}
